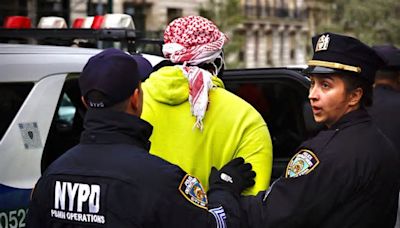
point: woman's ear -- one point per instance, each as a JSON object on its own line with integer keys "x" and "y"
{"x": 355, "y": 96}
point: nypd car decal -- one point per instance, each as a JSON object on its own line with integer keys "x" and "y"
{"x": 301, "y": 163}
{"x": 192, "y": 190}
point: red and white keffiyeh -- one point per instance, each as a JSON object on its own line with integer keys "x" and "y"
{"x": 193, "y": 40}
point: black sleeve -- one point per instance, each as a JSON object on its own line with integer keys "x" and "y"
{"x": 181, "y": 209}
{"x": 231, "y": 208}
{"x": 297, "y": 201}
{"x": 35, "y": 216}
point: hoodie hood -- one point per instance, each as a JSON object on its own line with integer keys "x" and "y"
{"x": 170, "y": 86}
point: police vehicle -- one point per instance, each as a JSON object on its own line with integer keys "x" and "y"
{"x": 41, "y": 113}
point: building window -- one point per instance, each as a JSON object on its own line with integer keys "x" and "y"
{"x": 59, "y": 8}
{"x": 292, "y": 52}
{"x": 293, "y": 45}
{"x": 256, "y": 44}
{"x": 269, "y": 58}
{"x": 241, "y": 56}
{"x": 137, "y": 13}
{"x": 96, "y": 8}
{"x": 173, "y": 13}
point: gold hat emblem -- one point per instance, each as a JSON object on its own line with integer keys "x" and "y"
{"x": 322, "y": 44}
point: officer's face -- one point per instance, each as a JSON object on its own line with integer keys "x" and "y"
{"x": 329, "y": 99}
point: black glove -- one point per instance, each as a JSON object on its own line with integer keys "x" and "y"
{"x": 235, "y": 176}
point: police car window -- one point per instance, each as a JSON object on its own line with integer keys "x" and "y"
{"x": 67, "y": 123}
{"x": 280, "y": 103}
{"x": 12, "y": 95}
{"x": 66, "y": 110}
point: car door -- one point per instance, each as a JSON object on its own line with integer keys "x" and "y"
{"x": 27, "y": 109}
{"x": 280, "y": 96}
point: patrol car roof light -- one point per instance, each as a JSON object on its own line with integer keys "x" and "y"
{"x": 97, "y": 22}
{"x": 52, "y": 22}
{"x": 118, "y": 20}
{"x": 17, "y": 22}
{"x": 78, "y": 22}
{"x": 87, "y": 23}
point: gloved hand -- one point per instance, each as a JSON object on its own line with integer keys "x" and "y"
{"x": 235, "y": 176}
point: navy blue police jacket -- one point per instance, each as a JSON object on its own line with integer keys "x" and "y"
{"x": 346, "y": 176}
{"x": 110, "y": 180}
{"x": 385, "y": 111}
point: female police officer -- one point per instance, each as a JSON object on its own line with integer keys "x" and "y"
{"x": 347, "y": 175}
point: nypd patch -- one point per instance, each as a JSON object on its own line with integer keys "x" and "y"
{"x": 301, "y": 163}
{"x": 192, "y": 190}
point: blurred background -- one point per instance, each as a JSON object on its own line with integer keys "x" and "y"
{"x": 263, "y": 33}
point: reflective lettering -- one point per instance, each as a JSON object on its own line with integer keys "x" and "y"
{"x": 94, "y": 200}
{"x": 59, "y": 195}
{"x": 83, "y": 196}
{"x": 71, "y": 189}
{"x": 77, "y": 195}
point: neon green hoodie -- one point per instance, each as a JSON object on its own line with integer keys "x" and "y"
{"x": 232, "y": 128}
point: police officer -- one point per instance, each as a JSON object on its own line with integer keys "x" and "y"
{"x": 386, "y": 107}
{"x": 348, "y": 174}
{"x": 385, "y": 110}
{"x": 110, "y": 179}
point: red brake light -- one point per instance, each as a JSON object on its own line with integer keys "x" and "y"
{"x": 17, "y": 22}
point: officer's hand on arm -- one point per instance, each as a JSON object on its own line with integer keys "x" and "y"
{"x": 234, "y": 177}
{"x": 226, "y": 185}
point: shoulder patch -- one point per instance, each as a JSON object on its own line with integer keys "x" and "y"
{"x": 302, "y": 163}
{"x": 191, "y": 188}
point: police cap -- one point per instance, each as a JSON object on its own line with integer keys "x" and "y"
{"x": 114, "y": 74}
{"x": 390, "y": 54}
{"x": 335, "y": 53}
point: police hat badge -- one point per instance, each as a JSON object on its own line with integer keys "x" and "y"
{"x": 335, "y": 53}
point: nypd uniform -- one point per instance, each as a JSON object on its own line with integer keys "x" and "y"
{"x": 348, "y": 174}
{"x": 386, "y": 107}
{"x": 132, "y": 188}
{"x": 386, "y": 112}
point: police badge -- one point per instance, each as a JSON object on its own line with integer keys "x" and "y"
{"x": 193, "y": 191}
{"x": 301, "y": 163}
{"x": 322, "y": 44}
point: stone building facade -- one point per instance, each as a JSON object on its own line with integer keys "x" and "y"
{"x": 276, "y": 33}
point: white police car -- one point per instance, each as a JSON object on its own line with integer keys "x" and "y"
{"x": 40, "y": 117}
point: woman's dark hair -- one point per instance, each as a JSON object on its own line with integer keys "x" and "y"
{"x": 353, "y": 81}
